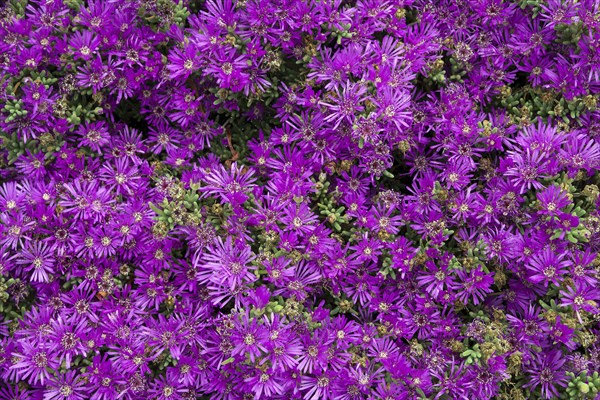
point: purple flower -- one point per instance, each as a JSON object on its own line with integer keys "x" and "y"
{"x": 34, "y": 361}
{"x": 165, "y": 334}
{"x": 167, "y": 388}
{"x": 182, "y": 63}
{"x": 393, "y": 108}
{"x": 546, "y": 373}
{"x": 552, "y": 199}
{"x": 121, "y": 176}
{"x": 319, "y": 386}
{"x": 230, "y": 186}
{"x": 69, "y": 335}
{"x": 228, "y": 69}
{"x": 345, "y": 103}
{"x": 347, "y": 199}
{"x": 436, "y": 278}
{"x": 85, "y": 44}
{"x": 524, "y": 170}
{"x": 475, "y": 285}
{"x": 227, "y": 264}
{"x": 546, "y": 266}
{"x": 265, "y": 382}
{"x": 69, "y": 386}
{"x": 581, "y": 298}
{"x": 316, "y": 350}
{"x": 38, "y": 260}
{"x": 248, "y": 338}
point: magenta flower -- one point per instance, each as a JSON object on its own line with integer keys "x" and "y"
{"x": 552, "y": 199}
{"x": 345, "y": 103}
{"x": 546, "y": 266}
{"x": 231, "y": 186}
{"x": 546, "y": 373}
{"x": 34, "y": 361}
{"x": 226, "y": 263}
{"x": 581, "y": 298}
{"x": 38, "y": 259}
{"x": 182, "y": 63}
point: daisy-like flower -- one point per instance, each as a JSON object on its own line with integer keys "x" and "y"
{"x": 299, "y": 285}
{"x": 226, "y": 263}
{"x": 105, "y": 379}
{"x": 543, "y": 138}
{"x": 546, "y": 266}
{"x": 121, "y": 176}
{"x": 581, "y": 270}
{"x": 131, "y": 142}
{"x": 528, "y": 324}
{"x": 163, "y": 137}
{"x": 525, "y": 169}
{"x": 392, "y": 106}
{"x": 167, "y": 388}
{"x": 32, "y": 165}
{"x": 299, "y": 218}
{"x": 466, "y": 204}
{"x": 231, "y": 186}
{"x": 581, "y": 297}
{"x": 500, "y": 244}
{"x": 67, "y": 386}
{"x": 30, "y": 57}
{"x": 580, "y": 152}
{"x": 96, "y": 15}
{"x": 456, "y": 175}
{"x": 316, "y": 351}
{"x": 367, "y": 249}
{"x": 131, "y": 355}
{"x": 105, "y": 241}
{"x": 367, "y": 129}
{"x": 14, "y": 393}
{"x": 39, "y": 97}
{"x": 34, "y": 361}
{"x": 84, "y": 44}
{"x": 452, "y": 381}
{"x": 38, "y": 259}
{"x": 248, "y": 338}
{"x": 11, "y": 197}
{"x": 229, "y": 70}
{"x": 165, "y": 334}
{"x": 13, "y": 230}
{"x": 382, "y": 220}
{"x": 265, "y": 383}
{"x": 69, "y": 336}
{"x": 436, "y": 278}
{"x": 383, "y": 349}
{"x": 546, "y": 373}
{"x": 282, "y": 344}
{"x": 85, "y": 200}
{"x": 474, "y": 285}
{"x": 95, "y": 135}
{"x": 346, "y": 103}
{"x": 91, "y": 75}
{"x": 182, "y": 63}
{"x": 552, "y": 199}
{"x": 319, "y": 387}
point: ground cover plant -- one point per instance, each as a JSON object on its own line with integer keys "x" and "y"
{"x": 299, "y": 199}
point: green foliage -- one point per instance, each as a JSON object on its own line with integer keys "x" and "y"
{"x": 582, "y": 386}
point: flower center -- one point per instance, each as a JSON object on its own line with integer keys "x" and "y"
{"x": 40, "y": 360}
{"x": 249, "y": 339}
{"x": 323, "y": 381}
{"x": 188, "y": 64}
{"x": 227, "y": 68}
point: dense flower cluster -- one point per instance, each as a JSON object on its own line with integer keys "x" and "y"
{"x": 299, "y": 199}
